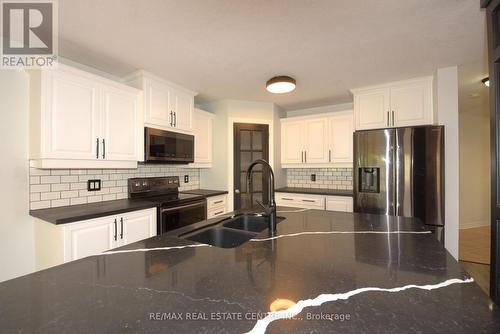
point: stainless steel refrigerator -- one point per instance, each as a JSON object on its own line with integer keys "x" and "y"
{"x": 400, "y": 172}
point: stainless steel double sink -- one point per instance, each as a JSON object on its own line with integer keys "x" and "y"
{"x": 230, "y": 232}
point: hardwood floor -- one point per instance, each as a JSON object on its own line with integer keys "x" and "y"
{"x": 474, "y": 245}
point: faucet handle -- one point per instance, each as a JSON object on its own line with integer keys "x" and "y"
{"x": 267, "y": 209}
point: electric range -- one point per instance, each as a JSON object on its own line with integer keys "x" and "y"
{"x": 175, "y": 209}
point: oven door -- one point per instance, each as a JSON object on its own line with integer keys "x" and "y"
{"x": 168, "y": 146}
{"x": 172, "y": 218}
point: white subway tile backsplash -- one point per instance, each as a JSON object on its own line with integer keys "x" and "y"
{"x": 59, "y": 187}
{"x": 38, "y": 188}
{"x": 50, "y": 179}
{"x": 51, "y": 195}
{"x": 59, "y": 202}
{"x": 62, "y": 187}
{"x": 326, "y": 178}
{"x": 78, "y": 200}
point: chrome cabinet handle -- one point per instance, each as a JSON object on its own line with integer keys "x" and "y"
{"x": 305, "y": 156}
{"x": 287, "y": 199}
{"x": 175, "y": 119}
{"x": 104, "y": 148}
{"x": 97, "y": 149}
{"x": 218, "y": 213}
{"x": 393, "y": 118}
{"x": 388, "y": 118}
{"x": 218, "y": 202}
{"x": 171, "y": 118}
{"x": 330, "y": 155}
{"x": 309, "y": 200}
{"x": 301, "y": 156}
{"x": 116, "y": 231}
{"x": 121, "y": 228}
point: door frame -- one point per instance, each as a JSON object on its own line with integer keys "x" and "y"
{"x": 494, "y": 75}
{"x": 230, "y": 150}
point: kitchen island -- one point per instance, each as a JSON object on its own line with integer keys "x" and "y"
{"x": 322, "y": 272}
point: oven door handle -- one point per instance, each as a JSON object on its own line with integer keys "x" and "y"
{"x": 175, "y": 208}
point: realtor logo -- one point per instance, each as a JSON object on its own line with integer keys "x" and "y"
{"x": 29, "y": 36}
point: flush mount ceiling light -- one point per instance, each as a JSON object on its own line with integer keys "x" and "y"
{"x": 486, "y": 82}
{"x": 280, "y": 85}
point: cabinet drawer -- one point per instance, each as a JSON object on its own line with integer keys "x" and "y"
{"x": 211, "y": 213}
{"x": 300, "y": 201}
{"x": 216, "y": 202}
{"x": 339, "y": 203}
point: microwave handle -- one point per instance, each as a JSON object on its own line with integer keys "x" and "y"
{"x": 182, "y": 207}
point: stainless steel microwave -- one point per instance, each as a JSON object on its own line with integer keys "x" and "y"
{"x": 168, "y": 147}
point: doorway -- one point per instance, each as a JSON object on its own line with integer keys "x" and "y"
{"x": 251, "y": 142}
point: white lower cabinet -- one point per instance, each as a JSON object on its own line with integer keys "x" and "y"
{"x": 318, "y": 202}
{"x": 339, "y": 203}
{"x": 304, "y": 201}
{"x": 216, "y": 206}
{"x": 57, "y": 244}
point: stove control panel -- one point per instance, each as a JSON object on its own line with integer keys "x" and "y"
{"x": 145, "y": 185}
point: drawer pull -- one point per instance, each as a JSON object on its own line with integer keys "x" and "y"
{"x": 309, "y": 200}
{"x": 218, "y": 213}
{"x": 287, "y": 199}
{"x": 217, "y": 202}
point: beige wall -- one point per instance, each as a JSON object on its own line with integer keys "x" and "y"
{"x": 16, "y": 226}
{"x": 474, "y": 168}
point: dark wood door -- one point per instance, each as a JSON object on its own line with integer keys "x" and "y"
{"x": 493, "y": 19}
{"x": 251, "y": 142}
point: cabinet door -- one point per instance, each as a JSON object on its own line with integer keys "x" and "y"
{"x": 291, "y": 143}
{"x": 157, "y": 104}
{"x": 120, "y": 112}
{"x": 338, "y": 203}
{"x": 71, "y": 117}
{"x": 371, "y": 109}
{"x": 136, "y": 226}
{"x": 202, "y": 137}
{"x": 412, "y": 104}
{"x": 340, "y": 132}
{"x": 182, "y": 105}
{"x": 316, "y": 141}
{"x": 88, "y": 238}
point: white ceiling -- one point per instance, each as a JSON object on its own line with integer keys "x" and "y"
{"x": 229, "y": 48}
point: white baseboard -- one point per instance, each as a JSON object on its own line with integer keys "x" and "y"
{"x": 472, "y": 224}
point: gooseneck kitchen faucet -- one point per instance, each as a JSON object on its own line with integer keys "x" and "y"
{"x": 270, "y": 209}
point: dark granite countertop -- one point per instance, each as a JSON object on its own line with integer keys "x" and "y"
{"x": 74, "y": 213}
{"x": 205, "y": 192}
{"x": 346, "y": 272}
{"x": 316, "y": 191}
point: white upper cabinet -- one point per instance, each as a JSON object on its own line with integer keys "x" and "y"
{"x": 340, "y": 130}
{"x": 412, "y": 103}
{"x": 372, "y": 109}
{"x": 203, "y": 132}
{"x": 403, "y": 103}
{"x": 323, "y": 140}
{"x": 81, "y": 120}
{"x": 316, "y": 141}
{"x": 120, "y": 110}
{"x": 292, "y": 149}
{"x": 69, "y": 123}
{"x": 167, "y": 106}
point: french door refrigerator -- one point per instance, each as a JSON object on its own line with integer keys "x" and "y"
{"x": 400, "y": 172}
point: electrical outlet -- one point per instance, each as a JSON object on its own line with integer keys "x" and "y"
{"x": 186, "y": 178}
{"x": 313, "y": 177}
{"x": 94, "y": 185}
